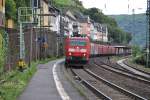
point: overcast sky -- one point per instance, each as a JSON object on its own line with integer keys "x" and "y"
{"x": 110, "y": 7}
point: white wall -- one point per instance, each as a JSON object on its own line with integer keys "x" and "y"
{"x": 55, "y": 23}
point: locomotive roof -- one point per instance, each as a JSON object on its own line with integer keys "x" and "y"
{"x": 78, "y": 37}
{"x": 119, "y": 46}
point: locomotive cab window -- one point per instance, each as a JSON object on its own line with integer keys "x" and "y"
{"x": 78, "y": 43}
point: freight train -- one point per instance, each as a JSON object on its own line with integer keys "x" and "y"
{"x": 78, "y": 50}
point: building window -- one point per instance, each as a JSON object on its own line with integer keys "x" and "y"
{"x": 36, "y": 3}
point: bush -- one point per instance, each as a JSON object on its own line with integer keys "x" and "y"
{"x": 140, "y": 59}
{"x": 136, "y": 51}
{"x": 3, "y": 49}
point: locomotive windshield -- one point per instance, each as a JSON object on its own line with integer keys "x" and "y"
{"x": 78, "y": 43}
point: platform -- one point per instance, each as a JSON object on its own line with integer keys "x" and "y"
{"x": 43, "y": 85}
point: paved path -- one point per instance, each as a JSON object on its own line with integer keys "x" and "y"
{"x": 120, "y": 62}
{"x": 42, "y": 86}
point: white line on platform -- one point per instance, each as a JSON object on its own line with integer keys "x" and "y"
{"x": 59, "y": 86}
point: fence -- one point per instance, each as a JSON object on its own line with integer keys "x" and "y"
{"x": 38, "y": 38}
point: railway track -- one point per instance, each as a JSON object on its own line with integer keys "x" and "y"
{"x": 102, "y": 88}
{"x": 137, "y": 86}
{"x": 119, "y": 69}
{"x": 148, "y": 73}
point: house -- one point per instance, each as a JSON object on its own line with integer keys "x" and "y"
{"x": 54, "y": 21}
{"x": 104, "y": 33}
{"x": 2, "y": 13}
{"x": 48, "y": 16}
{"x": 68, "y": 23}
{"x": 99, "y": 32}
{"x": 42, "y": 13}
{"x": 76, "y": 28}
{"x": 84, "y": 23}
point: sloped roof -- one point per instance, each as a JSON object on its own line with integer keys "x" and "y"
{"x": 80, "y": 17}
{"x": 69, "y": 14}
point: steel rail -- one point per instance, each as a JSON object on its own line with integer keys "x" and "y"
{"x": 133, "y": 76}
{"x": 135, "y": 96}
{"x": 129, "y": 72}
{"x": 148, "y": 73}
{"x": 97, "y": 92}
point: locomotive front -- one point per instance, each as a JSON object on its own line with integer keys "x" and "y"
{"x": 77, "y": 50}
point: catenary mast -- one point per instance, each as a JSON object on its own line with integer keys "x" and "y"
{"x": 148, "y": 33}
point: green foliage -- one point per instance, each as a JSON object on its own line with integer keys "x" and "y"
{"x": 141, "y": 59}
{"x": 10, "y": 9}
{"x": 3, "y": 48}
{"x": 13, "y": 5}
{"x": 116, "y": 35}
{"x": 133, "y": 24}
{"x": 22, "y": 3}
{"x": 69, "y": 4}
{"x": 139, "y": 56}
{"x": 15, "y": 83}
{"x": 97, "y": 15}
{"x": 136, "y": 51}
{"x": 64, "y": 2}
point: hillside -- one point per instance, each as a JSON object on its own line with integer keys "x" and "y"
{"x": 64, "y": 2}
{"x": 75, "y": 4}
{"x": 135, "y": 25}
{"x": 116, "y": 35}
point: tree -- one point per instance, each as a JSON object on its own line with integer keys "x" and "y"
{"x": 10, "y": 9}
{"x": 21, "y": 3}
{"x": 98, "y": 16}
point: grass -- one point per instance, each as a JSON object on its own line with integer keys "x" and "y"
{"x": 131, "y": 62}
{"x": 16, "y": 81}
{"x": 64, "y": 2}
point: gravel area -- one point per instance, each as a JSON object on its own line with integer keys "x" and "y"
{"x": 109, "y": 91}
{"x": 135, "y": 86}
{"x": 104, "y": 60}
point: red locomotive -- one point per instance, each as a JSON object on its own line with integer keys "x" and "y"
{"x": 77, "y": 49}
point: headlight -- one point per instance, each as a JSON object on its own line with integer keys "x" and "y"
{"x": 71, "y": 50}
{"x": 84, "y": 54}
{"x": 83, "y": 50}
{"x": 69, "y": 53}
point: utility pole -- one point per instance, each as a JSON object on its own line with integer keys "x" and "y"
{"x": 148, "y": 33}
{"x": 31, "y": 33}
{"x": 133, "y": 34}
{"x": 60, "y": 35}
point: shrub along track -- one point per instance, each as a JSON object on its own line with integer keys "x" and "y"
{"x": 137, "y": 86}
